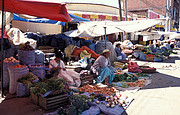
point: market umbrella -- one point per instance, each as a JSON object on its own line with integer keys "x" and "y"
{"x": 38, "y": 8}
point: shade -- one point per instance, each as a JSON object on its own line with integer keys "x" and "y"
{"x": 43, "y": 20}
{"x": 50, "y": 10}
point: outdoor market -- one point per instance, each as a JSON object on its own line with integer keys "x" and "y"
{"x": 84, "y": 71}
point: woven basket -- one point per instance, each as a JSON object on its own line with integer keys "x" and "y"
{"x": 147, "y": 69}
{"x": 118, "y": 65}
{"x": 46, "y": 49}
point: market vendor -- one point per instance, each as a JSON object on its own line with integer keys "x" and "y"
{"x": 57, "y": 68}
{"x": 100, "y": 68}
{"x": 120, "y": 55}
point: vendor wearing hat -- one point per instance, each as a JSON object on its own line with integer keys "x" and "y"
{"x": 100, "y": 68}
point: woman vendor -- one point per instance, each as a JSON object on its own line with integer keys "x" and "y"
{"x": 57, "y": 67}
{"x": 100, "y": 68}
{"x": 120, "y": 55}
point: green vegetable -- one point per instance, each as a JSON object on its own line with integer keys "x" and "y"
{"x": 125, "y": 78}
{"x": 124, "y": 85}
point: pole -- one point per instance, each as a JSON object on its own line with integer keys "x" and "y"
{"x": 120, "y": 10}
{"x": 167, "y": 16}
{"x": 126, "y": 10}
{"x": 2, "y": 49}
{"x": 126, "y": 18}
{"x": 120, "y": 15}
{"x": 105, "y": 36}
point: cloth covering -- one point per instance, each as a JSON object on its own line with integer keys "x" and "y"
{"x": 100, "y": 46}
{"x": 68, "y": 75}
{"x": 77, "y": 52}
{"x": 105, "y": 72}
{"x": 69, "y": 50}
{"x": 84, "y": 53}
{"x": 18, "y": 37}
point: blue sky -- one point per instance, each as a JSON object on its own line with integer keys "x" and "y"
{"x": 106, "y": 2}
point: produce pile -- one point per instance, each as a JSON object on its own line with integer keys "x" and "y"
{"x": 26, "y": 47}
{"x": 125, "y": 78}
{"x": 118, "y": 99}
{"x": 27, "y": 78}
{"x": 10, "y": 60}
{"x": 139, "y": 83}
{"x": 142, "y": 75}
{"x": 18, "y": 66}
{"x": 98, "y": 90}
{"x": 52, "y": 84}
{"x": 78, "y": 105}
{"x": 36, "y": 65}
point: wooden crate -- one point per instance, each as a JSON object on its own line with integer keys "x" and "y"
{"x": 86, "y": 79}
{"x": 34, "y": 98}
{"x": 53, "y": 102}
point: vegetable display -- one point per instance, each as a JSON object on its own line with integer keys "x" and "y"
{"x": 139, "y": 83}
{"x": 26, "y": 47}
{"x": 142, "y": 75}
{"x": 125, "y": 78}
{"x": 47, "y": 85}
{"x": 98, "y": 90}
{"x": 9, "y": 60}
{"x": 78, "y": 105}
{"x": 27, "y": 78}
{"x": 18, "y": 66}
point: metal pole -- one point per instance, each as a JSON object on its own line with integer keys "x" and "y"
{"x": 120, "y": 10}
{"x": 2, "y": 49}
{"x": 126, "y": 10}
{"x": 167, "y": 16}
{"x": 105, "y": 36}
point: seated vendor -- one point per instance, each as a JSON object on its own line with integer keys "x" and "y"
{"x": 100, "y": 68}
{"x": 120, "y": 55}
{"x": 57, "y": 68}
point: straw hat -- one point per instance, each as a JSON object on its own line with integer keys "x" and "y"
{"x": 105, "y": 51}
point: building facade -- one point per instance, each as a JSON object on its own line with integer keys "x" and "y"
{"x": 96, "y": 12}
{"x": 153, "y": 9}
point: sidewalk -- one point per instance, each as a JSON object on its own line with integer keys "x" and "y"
{"x": 161, "y": 97}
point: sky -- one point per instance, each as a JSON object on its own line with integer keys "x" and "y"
{"x": 105, "y": 2}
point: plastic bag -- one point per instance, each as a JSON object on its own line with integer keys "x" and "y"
{"x": 134, "y": 67}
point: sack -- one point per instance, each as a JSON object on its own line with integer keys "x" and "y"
{"x": 22, "y": 90}
{"x": 38, "y": 71}
{"x": 137, "y": 54}
{"x": 26, "y": 57}
{"x": 157, "y": 59}
{"x": 142, "y": 56}
{"x": 39, "y": 56}
{"x": 14, "y": 74}
{"x": 134, "y": 67}
{"x": 6, "y": 73}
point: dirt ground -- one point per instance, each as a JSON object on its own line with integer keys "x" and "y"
{"x": 161, "y": 97}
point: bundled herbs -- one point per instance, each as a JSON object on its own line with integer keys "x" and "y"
{"x": 27, "y": 78}
{"x": 78, "y": 105}
{"x": 52, "y": 84}
{"x": 26, "y": 47}
{"x": 142, "y": 75}
{"x": 125, "y": 78}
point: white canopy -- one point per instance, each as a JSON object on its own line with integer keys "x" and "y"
{"x": 97, "y": 28}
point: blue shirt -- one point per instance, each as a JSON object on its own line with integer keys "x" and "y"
{"x": 118, "y": 51}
